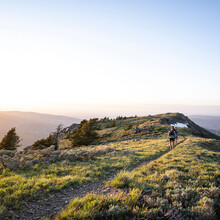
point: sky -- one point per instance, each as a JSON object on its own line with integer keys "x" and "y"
{"x": 95, "y": 57}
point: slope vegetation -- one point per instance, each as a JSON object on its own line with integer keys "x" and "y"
{"x": 183, "y": 183}
{"x": 122, "y": 175}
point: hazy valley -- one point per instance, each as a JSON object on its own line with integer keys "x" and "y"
{"x": 32, "y": 126}
{"x": 212, "y": 123}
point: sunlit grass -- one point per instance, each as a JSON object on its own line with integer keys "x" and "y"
{"x": 183, "y": 182}
{"x": 16, "y": 185}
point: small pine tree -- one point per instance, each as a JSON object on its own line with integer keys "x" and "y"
{"x": 114, "y": 123}
{"x": 85, "y": 134}
{"x": 10, "y": 141}
{"x": 44, "y": 143}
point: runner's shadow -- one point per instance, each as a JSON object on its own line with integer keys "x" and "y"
{"x": 181, "y": 141}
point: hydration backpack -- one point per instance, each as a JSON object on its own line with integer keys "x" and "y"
{"x": 172, "y": 134}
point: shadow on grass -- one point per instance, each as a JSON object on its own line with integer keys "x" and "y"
{"x": 211, "y": 155}
{"x": 181, "y": 141}
{"x": 213, "y": 145}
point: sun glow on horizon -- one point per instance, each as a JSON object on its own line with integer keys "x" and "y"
{"x": 56, "y": 54}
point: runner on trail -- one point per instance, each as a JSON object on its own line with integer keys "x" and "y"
{"x": 136, "y": 130}
{"x": 172, "y": 136}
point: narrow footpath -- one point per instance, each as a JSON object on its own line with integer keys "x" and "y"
{"x": 53, "y": 203}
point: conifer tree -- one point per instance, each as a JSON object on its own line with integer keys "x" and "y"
{"x": 44, "y": 143}
{"x": 85, "y": 134}
{"x": 10, "y": 141}
{"x": 114, "y": 123}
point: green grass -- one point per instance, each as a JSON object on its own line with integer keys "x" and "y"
{"x": 183, "y": 182}
{"x": 16, "y": 185}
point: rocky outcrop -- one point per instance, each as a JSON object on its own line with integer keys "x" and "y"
{"x": 166, "y": 121}
{"x": 68, "y": 130}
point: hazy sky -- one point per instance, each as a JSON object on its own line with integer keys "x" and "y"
{"x": 56, "y": 55}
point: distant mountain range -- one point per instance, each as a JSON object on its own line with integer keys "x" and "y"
{"x": 31, "y": 126}
{"x": 211, "y": 123}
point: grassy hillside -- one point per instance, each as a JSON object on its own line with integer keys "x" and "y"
{"x": 92, "y": 163}
{"x": 144, "y": 178}
{"x": 183, "y": 183}
{"x": 150, "y": 126}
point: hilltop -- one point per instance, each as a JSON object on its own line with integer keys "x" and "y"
{"x": 31, "y": 126}
{"x": 151, "y": 126}
{"x": 120, "y": 175}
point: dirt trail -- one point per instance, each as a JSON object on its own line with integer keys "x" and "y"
{"x": 53, "y": 203}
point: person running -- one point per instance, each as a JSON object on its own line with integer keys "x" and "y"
{"x": 136, "y": 130}
{"x": 176, "y": 135}
{"x": 171, "y": 136}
